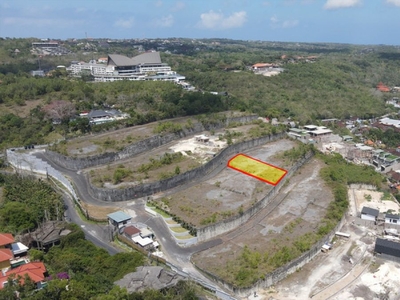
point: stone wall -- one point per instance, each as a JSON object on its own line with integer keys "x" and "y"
{"x": 274, "y": 277}
{"x": 147, "y": 189}
{"x": 74, "y": 163}
{"x": 233, "y": 222}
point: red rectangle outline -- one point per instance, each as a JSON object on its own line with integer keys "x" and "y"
{"x": 254, "y": 176}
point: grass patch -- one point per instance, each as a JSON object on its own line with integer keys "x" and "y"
{"x": 178, "y": 229}
{"x": 162, "y": 213}
{"x": 184, "y": 237}
{"x": 171, "y": 222}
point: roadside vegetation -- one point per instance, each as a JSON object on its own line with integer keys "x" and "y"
{"x": 26, "y": 203}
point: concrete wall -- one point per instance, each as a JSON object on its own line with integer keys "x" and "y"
{"x": 216, "y": 229}
{"x": 147, "y": 189}
{"x": 280, "y": 273}
{"x": 74, "y": 163}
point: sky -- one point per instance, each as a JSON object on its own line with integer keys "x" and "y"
{"x": 333, "y": 21}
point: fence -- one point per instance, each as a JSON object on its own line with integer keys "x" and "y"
{"x": 233, "y": 222}
{"x": 142, "y": 146}
{"x": 280, "y": 273}
{"x": 147, "y": 189}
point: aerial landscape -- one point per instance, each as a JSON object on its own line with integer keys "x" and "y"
{"x": 176, "y": 149}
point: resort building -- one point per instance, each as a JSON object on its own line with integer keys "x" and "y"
{"x": 145, "y": 66}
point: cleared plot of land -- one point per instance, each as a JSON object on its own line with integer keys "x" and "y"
{"x": 227, "y": 193}
{"x": 257, "y": 169}
{"x": 162, "y": 162}
{"x": 114, "y": 140}
{"x": 297, "y": 210}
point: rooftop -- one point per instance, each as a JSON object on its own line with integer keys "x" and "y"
{"x": 131, "y": 230}
{"x": 370, "y": 211}
{"x": 387, "y": 247}
{"x": 119, "y": 216}
{"x": 5, "y": 254}
{"x": 6, "y": 239}
{"x": 35, "y": 270}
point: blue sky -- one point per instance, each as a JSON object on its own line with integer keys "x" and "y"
{"x": 336, "y": 21}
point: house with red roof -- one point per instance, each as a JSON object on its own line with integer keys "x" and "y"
{"x": 5, "y": 258}
{"x": 35, "y": 270}
{"x": 6, "y": 239}
{"x": 382, "y": 88}
{"x": 131, "y": 231}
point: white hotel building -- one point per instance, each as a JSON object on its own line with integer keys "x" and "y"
{"x": 146, "y": 66}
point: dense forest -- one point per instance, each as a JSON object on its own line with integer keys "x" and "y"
{"x": 26, "y": 203}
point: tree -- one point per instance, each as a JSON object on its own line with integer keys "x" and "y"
{"x": 60, "y": 110}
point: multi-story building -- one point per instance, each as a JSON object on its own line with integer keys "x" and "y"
{"x": 145, "y": 66}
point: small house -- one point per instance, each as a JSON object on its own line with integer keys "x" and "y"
{"x": 119, "y": 219}
{"x": 145, "y": 232}
{"x": 392, "y": 219}
{"x": 370, "y": 214}
{"x": 6, "y": 239}
{"x": 387, "y": 249}
{"x": 36, "y": 271}
{"x": 347, "y": 138}
{"x": 5, "y": 258}
{"x": 131, "y": 231}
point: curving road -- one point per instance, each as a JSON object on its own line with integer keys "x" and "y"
{"x": 174, "y": 254}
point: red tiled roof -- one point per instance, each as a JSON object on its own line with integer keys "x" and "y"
{"x": 383, "y": 88}
{"x": 131, "y": 230}
{"x": 5, "y": 254}
{"x": 6, "y": 239}
{"x": 35, "y": 271}
{"x": 261, "y": 65}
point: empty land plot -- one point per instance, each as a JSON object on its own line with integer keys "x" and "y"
{"x": 115, "y": 140}
{"x": 226, "y": 194}
{"x": 147, "y": 167}
{"x": 297, "y": 210}
{"x": 257, "y": 169}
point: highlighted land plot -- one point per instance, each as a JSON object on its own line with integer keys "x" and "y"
{"x": 257, "y": 168}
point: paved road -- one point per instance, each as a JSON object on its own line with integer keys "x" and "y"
{"x": 97, "y": 234}
{"x": 174, "y": 254}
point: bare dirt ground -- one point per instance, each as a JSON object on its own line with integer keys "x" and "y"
{"x": 117, "y": 139}
{"x": 332, "y": 276}
{"x": 225, "y": 194}
{"x": 303, "y": 202}
{"x": 20, "y": 110}
{"x": 99, "y": 212}
{"x": 194, "y": 153}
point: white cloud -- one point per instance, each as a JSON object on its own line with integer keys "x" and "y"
{"x": 290, "y": 23}
{"x": 166, "y": 21}
{"x": 158, "y": 3}
{"x": 124, "y": 23}
{"x": 179, "y": 5}
{"x": 335, "y": 4}
{"x": 276, "y": 23}
{"x": 394, "y": 2}
{"x": 274, "y": 19}
{"x": 215, "y": 20}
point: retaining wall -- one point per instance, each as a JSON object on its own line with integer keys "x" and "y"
{"x": 147, "y": 189}
{"x": 74, "y": 163}
{"x": 233, "y": 222}
{"x": 280, "y": 273}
